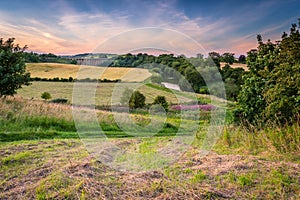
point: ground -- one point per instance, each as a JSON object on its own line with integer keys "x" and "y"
{"x": 63, "y": 169}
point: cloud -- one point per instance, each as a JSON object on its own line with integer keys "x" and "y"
{"x": 68, "y": 30}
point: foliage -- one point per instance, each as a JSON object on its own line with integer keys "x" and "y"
{"x": 59, "y": 100}
{"x": 272, "y": 88}
{"x": 46, "y": 95}
{"x": 228, "y": 58}
{"x": 46, "y": 58}
{"x": 12, "y": 68}
{"x": 242, "y": 59}
{"x": 161, "y": 100}
{"x": 188, "y": 73}
{"x": 137, "y": 100}
{"x": 233, "y": 81}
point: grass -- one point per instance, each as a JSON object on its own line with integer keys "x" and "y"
{"x": 104, "y": 92}
{"x": 43, "y": 158}
{"x": 272, "y": 142}
{"x": 236, "y": 65}
{"x": 52, "y": 70}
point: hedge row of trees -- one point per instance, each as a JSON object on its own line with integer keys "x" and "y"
{"x": 48, "y": 58}
{"x": 71, "y": 79}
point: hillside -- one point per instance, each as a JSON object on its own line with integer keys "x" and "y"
{"x": 52, "y": 70}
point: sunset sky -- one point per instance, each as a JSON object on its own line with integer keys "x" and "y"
{"x": 73, "y": 26}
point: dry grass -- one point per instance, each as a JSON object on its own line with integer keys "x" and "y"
{"x": 236, "y": 65}
{"x": 52, "y": 70}
{"x": 103, "y": 95}
{"x": 62, "y": 169}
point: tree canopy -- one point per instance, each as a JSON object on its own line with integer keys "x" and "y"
{"x": 12, "y": 67}
{"x": 272, "y": 88}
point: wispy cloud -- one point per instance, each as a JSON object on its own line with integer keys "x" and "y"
{"x": 66, "y": 29}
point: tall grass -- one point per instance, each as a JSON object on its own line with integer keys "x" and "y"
{"x": 27, "y": 119}
{"x": 273, "y": 141}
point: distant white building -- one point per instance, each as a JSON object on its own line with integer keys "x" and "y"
{"x": 171, "y": 86}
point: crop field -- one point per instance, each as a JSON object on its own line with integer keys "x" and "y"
{"x": 52, "y": 70}
{"x": 103, "y": 94}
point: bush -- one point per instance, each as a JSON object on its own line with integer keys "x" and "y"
{"x": 137, "y": 100}
{"x": 161, "y": 100}
{"x": 59, "y": 100}
{"x": 203, "y": 90}
{"x": 46, "y": 95}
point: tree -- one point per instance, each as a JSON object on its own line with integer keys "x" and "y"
{"x": 161, "y": 100}
{"x": 137, "y": 100}
{"x": 242, "y": 59}
{"x": 12, "y": 68}
{"x": 216, "y": 57}
{"x": 46, "y": 95}
{"x": 228, "y": 58}
{"x": 272, "y": 88}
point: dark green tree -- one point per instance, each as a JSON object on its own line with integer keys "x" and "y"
{"x": 216, "y": 57}
{"x": 228, "y": 58}
{"x": 137, "y": 100}
{"x": 242, "y": 59}
{"x": 272, "y": 87}
{"x": 12, "y": 67}
{"x": 161, "y": 100}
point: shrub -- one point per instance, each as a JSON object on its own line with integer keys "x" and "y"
{"x": 161, "y": 100}
{"x": 59, "y": 100}
{"x": 137, "y": 100}
{"x": 46, "y": 95}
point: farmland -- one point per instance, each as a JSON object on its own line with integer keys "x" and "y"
{"x": 103, "y": 95}
{"x": 52, "y": 70}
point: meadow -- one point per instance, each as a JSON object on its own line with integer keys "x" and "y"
{"x": 103, "y": 94}
{"x": 43, "y": 155}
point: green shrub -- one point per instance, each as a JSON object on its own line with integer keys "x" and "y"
{"x": 161, "y": 100}
{"x": 59, "y": 100}
{"x": 46, "y": 95}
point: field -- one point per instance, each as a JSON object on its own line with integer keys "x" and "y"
{"x": 51, "y": 151}
{"x": 52, "y": 70}
{"x": 42, "y": 157}
{"x": 236, "y": 65}
{"x": 103, "y": 95}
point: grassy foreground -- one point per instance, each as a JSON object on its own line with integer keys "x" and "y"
{"x": 43, "y": 158}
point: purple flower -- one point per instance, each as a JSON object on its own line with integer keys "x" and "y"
{"x": 206, "y": 107}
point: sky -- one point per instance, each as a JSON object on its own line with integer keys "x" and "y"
{"x": 67, "y": 27}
